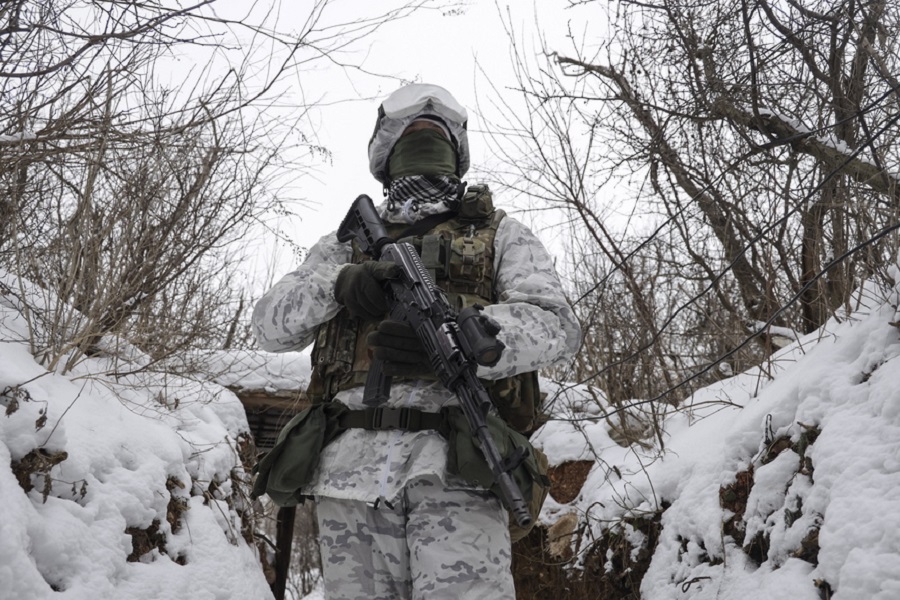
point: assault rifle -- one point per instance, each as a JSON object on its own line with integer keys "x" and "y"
{"x": 455, "y": 344}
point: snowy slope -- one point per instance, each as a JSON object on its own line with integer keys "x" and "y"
{"x": 132, "y": 482}
{"x": 783, "y": 482}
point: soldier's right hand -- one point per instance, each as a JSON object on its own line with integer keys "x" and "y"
{"x": 361, "y": 288}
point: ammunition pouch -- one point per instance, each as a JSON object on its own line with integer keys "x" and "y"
{"x": 282, "y": 472}
{"x": 529, "y": 465}
{"x": 289, "y": 466}
{"x": 518, "y": 399}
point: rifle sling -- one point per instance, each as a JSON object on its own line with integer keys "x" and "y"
{"x": 426, "y": 224}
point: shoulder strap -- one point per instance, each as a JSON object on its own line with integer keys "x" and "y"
{"x": 425, "y": 225}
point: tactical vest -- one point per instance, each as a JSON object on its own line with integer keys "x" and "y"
{"x": 459, "y": 255}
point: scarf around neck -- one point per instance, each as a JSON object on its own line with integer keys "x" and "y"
{"x": 414, "y": 197}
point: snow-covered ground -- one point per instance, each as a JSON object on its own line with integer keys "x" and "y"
{"x": 132, "y": 479}
{"x": 799, "y": 459}
{"x": 813, "y": 436}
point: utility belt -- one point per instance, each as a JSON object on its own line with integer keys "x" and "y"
{"x": 384, "y": 418}
{"x": 283, "y": 472}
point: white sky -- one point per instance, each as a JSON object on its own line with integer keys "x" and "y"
{"x": 458, "y": 50}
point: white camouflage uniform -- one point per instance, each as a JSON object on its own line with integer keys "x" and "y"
{"x": 383, "y": 496}
{"x": 393, "y": 523}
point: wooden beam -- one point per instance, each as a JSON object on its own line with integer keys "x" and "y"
{"x": 283, "y": 541}
{"x": 285, "y": 400}
{"x": 267, "y": 412}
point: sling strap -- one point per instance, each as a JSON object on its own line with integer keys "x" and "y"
{"x": 382, "y": 418}
{"x": 426, "y": 224}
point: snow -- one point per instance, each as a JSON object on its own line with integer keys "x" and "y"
{"x": 255, "y": 370}
{"x": 823, "y": 136}
{"x": 842, "y": 380}
{"x": 19, "y": 137}
{"x": 816, "y": 430}
{"x": 138, "y": 449}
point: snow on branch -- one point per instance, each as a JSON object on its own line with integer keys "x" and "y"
{"x": 833, "y": 153}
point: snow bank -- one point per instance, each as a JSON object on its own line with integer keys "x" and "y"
{"x": 783, "y": 482}
{"x": 133, "y": 483}
{"x": 256, "y": 370}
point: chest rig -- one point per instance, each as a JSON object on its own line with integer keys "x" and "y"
{"x": 459, "y": 255}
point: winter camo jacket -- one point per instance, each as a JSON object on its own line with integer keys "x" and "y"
{"x": 538, "y": 328}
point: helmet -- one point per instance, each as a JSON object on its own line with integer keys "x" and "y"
{"x": 404, "y": 106}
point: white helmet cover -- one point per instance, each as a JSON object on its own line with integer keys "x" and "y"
{"x": 402, "y": 108}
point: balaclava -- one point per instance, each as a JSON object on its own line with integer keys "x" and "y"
{"x": 420, "y": 170}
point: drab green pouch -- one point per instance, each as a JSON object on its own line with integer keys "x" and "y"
{"x": 466, "y": 461}
{"x": 282, "y": 472}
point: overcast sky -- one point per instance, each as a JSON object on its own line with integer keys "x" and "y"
{"x": 461, "y": 50}
{"x": 463, "y": 47}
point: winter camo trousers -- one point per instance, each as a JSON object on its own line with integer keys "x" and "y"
{"x": 434, "y": 543}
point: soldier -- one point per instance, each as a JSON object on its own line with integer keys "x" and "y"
{"x": 396, "y": 518}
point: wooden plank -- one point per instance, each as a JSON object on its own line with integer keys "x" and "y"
{"x": 267, "y": 412}
{"x": 283, "y": 540}
{"x": 287, "y": 400}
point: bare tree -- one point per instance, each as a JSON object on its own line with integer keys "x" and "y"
{"x": 129, "y": 181}
{"x": 727, "y": 169}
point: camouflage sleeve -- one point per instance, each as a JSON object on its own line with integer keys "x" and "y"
{"x": 538, "y": 325}
{"x": 286, "y": 317}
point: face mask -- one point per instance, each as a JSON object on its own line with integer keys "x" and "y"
{"x": 423, "y": 152}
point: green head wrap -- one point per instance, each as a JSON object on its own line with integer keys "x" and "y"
{"x": 423, "y": 152}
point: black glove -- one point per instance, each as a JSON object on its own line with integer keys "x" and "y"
{"x": 397, "y": 345}
{"x": 360, "y": 288}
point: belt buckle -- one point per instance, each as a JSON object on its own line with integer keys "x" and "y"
{"x": 388, "y": 418}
